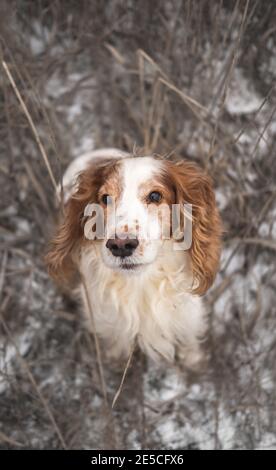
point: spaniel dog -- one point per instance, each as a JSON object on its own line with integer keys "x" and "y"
{"x": 140, "y": 285}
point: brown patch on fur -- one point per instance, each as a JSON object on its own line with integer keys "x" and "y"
{"x": 112, "y": 185}
{"x": 62, "y": 256}
{"x": 191, "y": 185}
{"x": 137, "y": 226}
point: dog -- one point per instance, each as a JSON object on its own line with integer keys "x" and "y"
{"x": 141, "y": 287}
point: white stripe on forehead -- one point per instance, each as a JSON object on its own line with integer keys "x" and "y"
{"x": 136, "y": 171}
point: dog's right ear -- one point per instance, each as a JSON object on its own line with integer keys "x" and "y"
{"x": 61, "y": 258}
{"x": 62, "y": 249}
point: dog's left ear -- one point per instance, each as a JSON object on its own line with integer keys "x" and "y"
{"x": 193, "y": 186}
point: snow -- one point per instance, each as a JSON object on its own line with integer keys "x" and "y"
{"x": 241, "y": 96}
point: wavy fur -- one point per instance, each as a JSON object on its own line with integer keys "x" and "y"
{"x": 160, "y": 306}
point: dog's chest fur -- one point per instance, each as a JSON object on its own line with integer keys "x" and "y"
{"x": 154, "y": 308}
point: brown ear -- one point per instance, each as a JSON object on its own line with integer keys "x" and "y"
{"x": 195, "y": 187}
{"x": 62, "y": 249}
{"x": 61, "y": 258}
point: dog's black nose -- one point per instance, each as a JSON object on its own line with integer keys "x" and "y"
{"x": 122, "y": 247}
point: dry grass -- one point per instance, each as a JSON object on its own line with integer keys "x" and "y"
{"x": 163, "y": 76}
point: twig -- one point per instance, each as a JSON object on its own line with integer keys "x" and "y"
{"x": 152, "y": 62}
{"x": 124, "y": 375}
{"x": 143, "y": 99}
{"x": 115, "y": 53}
{"x": 32, "y": 125}
{"x": 191, "y": 102}
{"x": 9, "y": 440}
{"x": 227, "y": 79}
{"x": 36, "y": 185}
{"x": 258, "y": 241}
{"x": 3, "y": 271}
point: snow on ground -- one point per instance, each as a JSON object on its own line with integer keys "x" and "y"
{"x": 241, "y": 97}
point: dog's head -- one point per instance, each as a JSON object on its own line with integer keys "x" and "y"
{"x": 125, "y": 207}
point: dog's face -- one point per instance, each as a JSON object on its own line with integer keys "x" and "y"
{"x": 137, "y": 201}
{"x": 135, "y": 196}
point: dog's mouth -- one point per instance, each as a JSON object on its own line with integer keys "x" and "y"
{"x": 131, "y": 266}
{"x": 126, "y": 264}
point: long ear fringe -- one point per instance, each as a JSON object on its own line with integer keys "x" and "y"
{"x": 63, "y": 249}
{"x": 60, "y": 256}
{"x": 193, "y": 186}
{"x": 206, "y": 245}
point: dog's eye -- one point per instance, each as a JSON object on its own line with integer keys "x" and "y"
{"x": 106, "y": 199}
{"x": 154, "y": 196}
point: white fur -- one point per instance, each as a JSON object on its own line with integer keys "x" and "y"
{"x": 153, "y": 304}
{"x": 130, "y": 210}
